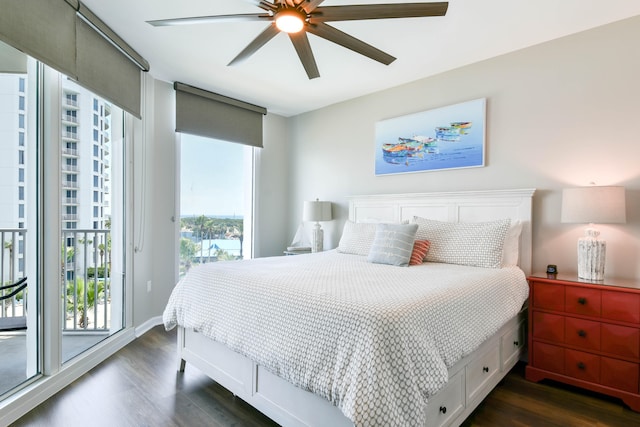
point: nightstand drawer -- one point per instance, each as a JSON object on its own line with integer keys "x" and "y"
{"x": 621, "y": 306}
{"x": 548, "y": 326}
{"x": 582, "y": 301}
{"x": 619, "y": 374}
{"x": 620, "y": 340}
{"x": 582, "y": 333}
{"x": 582, "y": 365}
{"x": 548, "y": 296}
{"x": 548, "y": 357}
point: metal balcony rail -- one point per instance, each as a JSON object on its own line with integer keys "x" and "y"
{"x": 12, "y": 269}
{"x": 86, "y": 269}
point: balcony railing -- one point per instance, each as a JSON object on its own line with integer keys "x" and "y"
{"x": 12, "y": 269}
{"x": 86, "y": 268}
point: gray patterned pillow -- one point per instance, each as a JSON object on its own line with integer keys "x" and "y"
{"x": 393, "y": 244}
{"x": 477, "y": 244}
{"x": 357, "y": 238}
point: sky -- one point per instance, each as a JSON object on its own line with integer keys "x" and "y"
{"x": 211, "y": 177}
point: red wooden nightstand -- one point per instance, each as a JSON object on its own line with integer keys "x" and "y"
{"x": 586, "y": 334}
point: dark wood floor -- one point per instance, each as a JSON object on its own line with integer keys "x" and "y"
{"x": 139, "y": 386}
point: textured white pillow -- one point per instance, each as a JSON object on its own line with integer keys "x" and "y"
{"x": 393, "y": 244}
{"x": 511, "y": 247}
{"x": 477, "y": 244}
{"x": 357, "y": 238}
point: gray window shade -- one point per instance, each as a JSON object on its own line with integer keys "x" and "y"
{"x": 107, "y": 71}
{"x": 13, "y": 61}
{"x": 44, "y": 29}
{"x": 209, "y": 114}
{"x": 67, "y": 36}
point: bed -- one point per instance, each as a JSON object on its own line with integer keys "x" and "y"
{"x": 343, "y": 338}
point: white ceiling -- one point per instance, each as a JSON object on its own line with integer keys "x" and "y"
{"x": 471, "y": 31}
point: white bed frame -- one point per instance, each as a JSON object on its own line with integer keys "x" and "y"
{"x": 470, "y": 380}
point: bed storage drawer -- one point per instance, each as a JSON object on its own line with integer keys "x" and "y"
{"x": 510, "y": 345}
{"x": 481, "y": 372}
{"x": 448, "y": 403}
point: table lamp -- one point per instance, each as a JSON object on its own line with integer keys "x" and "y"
{"x": 589, "y": 205}
{"x": 316, "y": 211}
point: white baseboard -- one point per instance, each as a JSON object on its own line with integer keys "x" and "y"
{"x": 146, "y": 326}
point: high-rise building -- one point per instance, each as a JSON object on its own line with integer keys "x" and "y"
{"x": 13, "y": 177}
{"x": 85, "y": 203}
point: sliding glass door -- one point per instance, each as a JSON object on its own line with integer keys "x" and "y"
{"x": 19, "y": 192}
{"x": 62, "y": 219}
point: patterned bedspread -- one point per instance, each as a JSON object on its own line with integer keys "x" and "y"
{"x": 375, "y": 340}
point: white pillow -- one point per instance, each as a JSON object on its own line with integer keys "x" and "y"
{"x": 511, "y": 247}
{"x": 477, "y": 244}
{"x": 357, "y": 238}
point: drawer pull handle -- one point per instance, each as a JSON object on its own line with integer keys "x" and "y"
{"x": 485, "y": 369}
{"x": 582, "y": 333}
{"x": 516, "y": 343}
{"x": 581, "y": 365}
{"x": 443, "y": 409}
{"x": 582, "y": 301}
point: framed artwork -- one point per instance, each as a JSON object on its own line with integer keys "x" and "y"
{"x": 450, "y": 137}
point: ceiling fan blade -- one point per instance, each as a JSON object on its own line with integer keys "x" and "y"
{"x": 209, "y": 19}
{"x": 310, "y": 5}
{"x": 378, "y": 11}
{"x": 303, "y": 48}
{"x": 262, "y": 4}
{"x": 270, "y": 32}
{"x": 343, "y": 39}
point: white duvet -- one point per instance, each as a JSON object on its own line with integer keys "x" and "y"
{"x": 375, "y": 340}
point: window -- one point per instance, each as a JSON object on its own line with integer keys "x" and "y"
{"x": 21, "y": 175}
{"x": 21, "y": 210}
{"x": 21, "y": 157}
{"x": 96, "y": 151}
{"x": 96, "y": 181}
{"x": 21, "y": 121}
{"x": 21, "y": 193}
{"x": 21, "y": 139}
{"x": 21, "y": 103}
{"x": 215, "y": 194}
{"x": 95, "y": 135}
{"x": 96, "y": 166}
{"x": 21, "y": 84}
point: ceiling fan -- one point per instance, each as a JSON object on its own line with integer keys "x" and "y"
{"x": 299, "y": 17}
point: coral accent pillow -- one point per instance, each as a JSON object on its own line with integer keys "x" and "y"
{"x": 420, "y": 249}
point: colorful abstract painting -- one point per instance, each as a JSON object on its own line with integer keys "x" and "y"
{"x": 450, "y": 137}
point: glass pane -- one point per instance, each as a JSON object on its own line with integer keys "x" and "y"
{"x": 215, "y": 201}
{"x": 19, "y": 336}
{"x": 92, "y": 218}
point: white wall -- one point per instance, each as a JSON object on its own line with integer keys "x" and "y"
{"x": 559, "y": 114}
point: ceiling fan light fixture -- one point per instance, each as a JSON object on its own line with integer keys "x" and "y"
{"x": 289, "y": 21}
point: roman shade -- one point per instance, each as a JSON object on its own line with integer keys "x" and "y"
{"x": 67, "y": 36}
{"x": 208, "y": 114}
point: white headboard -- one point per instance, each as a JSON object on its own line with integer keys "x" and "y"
{"x": 458, "y": 206}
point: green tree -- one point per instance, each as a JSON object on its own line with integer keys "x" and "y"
{"x": 78, "y": 299}
{"x": 187, "y": 251}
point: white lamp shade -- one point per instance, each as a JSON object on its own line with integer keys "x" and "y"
{"x": 316, "y": 211}
{"x": 595, "y": 204}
